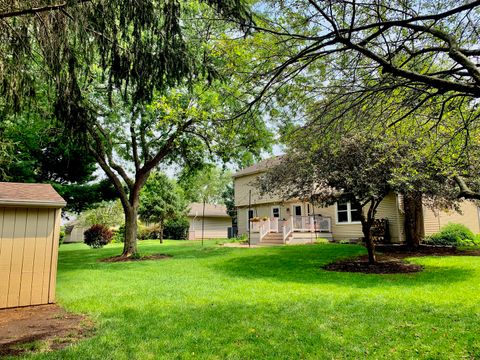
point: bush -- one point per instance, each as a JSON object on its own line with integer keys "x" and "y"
{"x": 61, "y": 238}
{"x": 119, "y": 234}
{"x": 452, "y": 235}
{"x": 97, "y": 236}
{"x": 176, "y": 229}
{"x": 149, "y": 232}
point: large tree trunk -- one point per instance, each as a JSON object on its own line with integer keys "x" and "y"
{"x": 130, "y": 243}
{"x": 414, "y": 222}
{"x": 161, "y": 232}
{"x": 367, "y": 234}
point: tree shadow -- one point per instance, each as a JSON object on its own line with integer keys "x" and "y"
{"x": 77, "y": 257}
{"x": 293, "y": 264}
{"x": 280, "y": 329}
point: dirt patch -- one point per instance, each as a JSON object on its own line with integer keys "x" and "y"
{"x": 391, "y": 259}
{"x": 384, "y": 265}
{"x": 40, "y": 328}
{"x": 120, "y": 258}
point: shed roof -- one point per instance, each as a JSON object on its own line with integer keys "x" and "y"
{"x": 211, "y": 210}
{"x": 21, "y": 194}
{"x": 259, "y": 167}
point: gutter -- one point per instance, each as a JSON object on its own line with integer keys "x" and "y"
{"x": 30, "y": 203}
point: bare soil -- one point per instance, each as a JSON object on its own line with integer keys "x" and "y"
{"x": 40, "y": 328}
{"x": 121, "y": 258}
{"x": 391, "y": 260}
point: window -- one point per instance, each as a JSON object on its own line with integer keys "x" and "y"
{"x": 276, "y": 212}
{"x": 348, "y": 212}
{"x": 249, "y": 216}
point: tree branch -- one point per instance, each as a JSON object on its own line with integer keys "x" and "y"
{"x": 465, "y": 191}
{"x": 36, "y": 10}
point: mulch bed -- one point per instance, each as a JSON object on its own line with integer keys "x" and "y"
{"x": 384, "y": 265}
{"x": 40, "y": 328}
{"x": 390, "y": 260}
{"x": 120, "y": 258}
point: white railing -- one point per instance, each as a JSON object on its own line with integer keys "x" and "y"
{"x": 264, "y": 228}
{"x": 287, "y": 229}
{"x": 311, "y": 223}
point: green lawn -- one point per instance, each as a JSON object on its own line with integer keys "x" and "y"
{"x": 267, "y": 303}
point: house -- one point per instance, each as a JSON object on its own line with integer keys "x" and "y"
{"x": 214, "y": 219}
{"x": 269, "y": 219}
{"x": 74, "y": 232}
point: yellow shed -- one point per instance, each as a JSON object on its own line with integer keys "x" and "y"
{"x": 29, "y": 233}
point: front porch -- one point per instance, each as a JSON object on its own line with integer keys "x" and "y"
{"x": 295, "y": 229}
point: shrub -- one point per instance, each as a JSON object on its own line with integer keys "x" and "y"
{"x": 453, "y": 235}
{"x": 61, "y": 238}
{"x": 176, "y": 229}
{"x": 119, "y": 234}
{"x": 97, "y": 236}
{"x": 149, "y": 232}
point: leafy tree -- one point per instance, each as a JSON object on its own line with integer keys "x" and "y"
{"x": 208, "y": 183}
{"x": 43, "y": 151}
{"x": 161, "y": 200}
{"x": 107, "y": 213}
{"x": 81, "y": 197}
{"x": 402, "y": 61}
{"x": 358, "y": 168}
{"x": 136, "y": 83}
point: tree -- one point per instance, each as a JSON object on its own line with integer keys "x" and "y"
{"x": 360, "y": 168}
{"x": 107, "y": 213}
{"x": 161, "y": 199}
{"x": 131, "y": 80}
{"x": 403, "y": 59}
{"x": 206, "y": 184}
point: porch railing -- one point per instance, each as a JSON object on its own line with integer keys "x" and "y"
{"x": 311, "y": 223}
{"x": 287, "y": 229}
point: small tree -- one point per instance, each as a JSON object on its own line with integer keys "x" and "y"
{"x": 161, "y": 200}
{"x": 358, "y": 169}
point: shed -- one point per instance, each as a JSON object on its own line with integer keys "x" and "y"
{"x": 29, "y": 233}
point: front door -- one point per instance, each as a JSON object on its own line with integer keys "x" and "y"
{"x": 297, "y": 217}
{"x": 297, "y": 210}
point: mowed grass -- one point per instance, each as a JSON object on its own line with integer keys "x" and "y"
{"x": 266, "y": 303}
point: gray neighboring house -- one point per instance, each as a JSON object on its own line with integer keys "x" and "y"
{"x": 74, "y": 232}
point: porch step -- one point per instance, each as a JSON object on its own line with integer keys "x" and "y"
{"x": 273, "y": 238}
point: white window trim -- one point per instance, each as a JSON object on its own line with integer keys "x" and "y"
{"x": 349, "y": 215}
{"x": 279, "y": 211}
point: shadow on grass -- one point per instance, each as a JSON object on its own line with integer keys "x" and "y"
{"x": 281, "y": 329}
{"x": 74, "y": 257}
{"x": 303, "y": 264}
